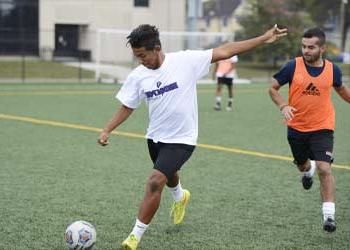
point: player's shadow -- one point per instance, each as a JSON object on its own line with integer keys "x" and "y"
{"x": 174, "y": 229}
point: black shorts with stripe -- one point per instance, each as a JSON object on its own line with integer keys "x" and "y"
{"x": 315, "y": 145}
{"x": 168, "y": 158}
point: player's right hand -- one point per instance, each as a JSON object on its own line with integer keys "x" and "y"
{"x": 103, "y": 138}
{"x": 275, "y": 33}
{"x": 287, "y": 112}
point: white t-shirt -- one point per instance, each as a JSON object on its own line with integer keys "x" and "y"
{"x": 226, "y": 65}
{"x": 170, "y": 94}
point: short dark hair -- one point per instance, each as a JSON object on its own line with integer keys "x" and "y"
{"x": 316, "y": 32}
{"x": 144, "y": 35}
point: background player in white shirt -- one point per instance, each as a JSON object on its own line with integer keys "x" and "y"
{"x": 225, "y": 72}
{"x": 167, "y": 83}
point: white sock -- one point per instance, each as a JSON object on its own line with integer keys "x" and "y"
{"x": 218, "y": 99}
{"x": 177, "y": 192}
{"x": 328, "y": 210}
{"x": 139, "y": 229}
{"x": 312, "y": 169}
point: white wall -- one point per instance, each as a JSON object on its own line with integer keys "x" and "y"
{"x": 116, "y": 14}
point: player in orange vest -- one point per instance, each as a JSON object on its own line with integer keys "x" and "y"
{"x": 310, "y": 116}
{"x": 225, "y": 72}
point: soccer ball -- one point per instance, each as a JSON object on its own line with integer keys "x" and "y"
{"x": 80, "y": 235}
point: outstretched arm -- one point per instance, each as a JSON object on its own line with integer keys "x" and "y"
{"x": 228, "y": 50}
{"x": 286, "y": 110}
{"x": 119, "y": 117}
{"x": 343, "y": 92}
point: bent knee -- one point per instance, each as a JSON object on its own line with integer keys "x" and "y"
{"x": 303, "y": 167}
{"x": 156, "y": 182}
{"x": 324, "y": 169}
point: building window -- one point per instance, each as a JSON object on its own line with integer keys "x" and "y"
{"x": 141, "y": 3}
{"x": 19, "y": 27}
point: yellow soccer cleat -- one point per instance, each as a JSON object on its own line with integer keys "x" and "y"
{"x": 130, "y": 243}
{"x": 179, "y": 208}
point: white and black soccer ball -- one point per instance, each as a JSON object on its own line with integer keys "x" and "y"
{"x": 80, "y": 235}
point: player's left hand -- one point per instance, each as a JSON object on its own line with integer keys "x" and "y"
{"x": 275, "y": 33}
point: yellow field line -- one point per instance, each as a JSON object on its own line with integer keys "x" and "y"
{"x": 236, "y": 90}
{"x": 64, "y": 125}
{"x": 56, "y": 92}
{"x": 135, "y": 135}
{"x": 97, "y": 92}
{"x": 245, "y": 152}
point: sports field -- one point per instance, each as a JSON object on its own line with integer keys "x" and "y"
{"x": 246, "y": 193}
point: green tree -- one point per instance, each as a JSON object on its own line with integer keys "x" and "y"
{"x": 321, "y": 11}
{"x": 263, "y": 14}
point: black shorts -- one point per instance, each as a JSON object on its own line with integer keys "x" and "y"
{"x": 225, "y": 80}
{"x": 316, "y": 145}
{"x": 168, "y": 158}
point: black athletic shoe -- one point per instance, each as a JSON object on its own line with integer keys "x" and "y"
{"x": 329, "y": 225}
{"x": 307, "y": 182}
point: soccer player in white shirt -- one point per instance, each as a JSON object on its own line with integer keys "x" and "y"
{"x": 167, "y": 83}
{"x": 225, "y": 72}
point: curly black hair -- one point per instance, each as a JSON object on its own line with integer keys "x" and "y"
{"x": 144, "y": 35}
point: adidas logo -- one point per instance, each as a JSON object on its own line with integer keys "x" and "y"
{"x": 311, "y": 90}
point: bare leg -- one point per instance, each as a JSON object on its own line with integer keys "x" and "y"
{"x": 230, "y": 91}
{"x": 327, "y": 182}
{"x": 327, "y": 190}
{"x": 218, "y": 97}
{"x": 218, "y": 90}
{"x": 230, "y": 98}
{"x": 304, "y": 167}
{"x": 151, "y": 200}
